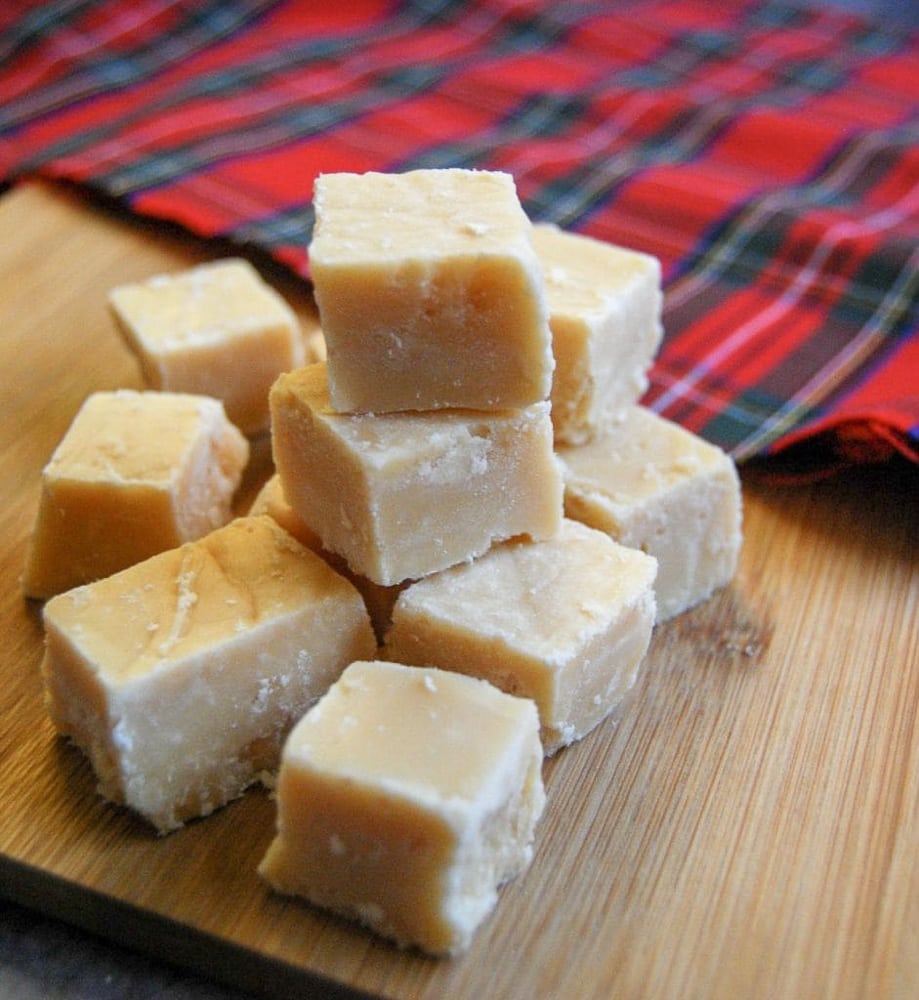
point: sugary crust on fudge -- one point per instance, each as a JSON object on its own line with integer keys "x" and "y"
{"x": 179, "y": 677}
{"x": 653, "y": 485}
{"x": 403, "y": 495}
{"x": 605, "y": 314}
{"x": 429, "y": 291}
{"x": 135, "y": 474}
{"x": 218, "y": 329}
{"x": 390, "y": 813}
{"x": 565, "y": 621}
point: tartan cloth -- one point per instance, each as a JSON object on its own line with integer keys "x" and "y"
{"x": 766, "y": 153}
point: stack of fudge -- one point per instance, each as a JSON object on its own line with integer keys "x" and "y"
{"x": 472, "y": 530}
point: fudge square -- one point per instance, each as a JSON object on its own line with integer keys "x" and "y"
{"x": 566, "y": 622}
{"x": 401, "y": 495}
{"x": 605, "y": 315}
{"x": 135, "y": 474}
{"x": 217, "y": 329}
{"x": 379, "y": 599}
{"x": 429, "y": 292}
{"x": 406, "y": 797}
{"x": 653, "y": 485}
{"x": 181, "y": 676}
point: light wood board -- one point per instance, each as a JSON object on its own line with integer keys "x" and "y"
{"x": 746, "y": 826}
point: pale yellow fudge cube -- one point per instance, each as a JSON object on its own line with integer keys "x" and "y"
{"x": 217, "y": 329}
{"x": 566, "y": 622}
{"x": 379, "y": 599}
{"x": 402, "y": 495}
{"x": 653, "y": 485}
{"x": 135, "y": 474}
{"x": 315, "y": 350}
{"x": 605, "y": 314}
{"x": 429, "y": 292}
{"x": 181, "y": 676}
{"x": 406, "y": 797}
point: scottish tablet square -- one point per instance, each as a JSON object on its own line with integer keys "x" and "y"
{"x": 429, "y": 292}
{"x": 406, "y": 797}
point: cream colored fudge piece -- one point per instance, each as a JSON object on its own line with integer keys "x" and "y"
{"x": 565, "y": 622}
{"x": 406, "y": 797}
{"x": 315, "y": 347}
{"x": 429, "y": 292}
{"x": 181, "y": 676}
{"x": 313, "y": 337}
{"x": 271, "y": 500}
{"x": 402, "y": 495}
{"x": 135, "y": 474}
{"x": 217, "y": 329}
{"x": 655, "y": 486}
{"x": 605, "y": 314}
{"x": 379, "y": 599}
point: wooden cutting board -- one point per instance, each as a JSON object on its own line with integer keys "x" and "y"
{"x": 746, "y": 826}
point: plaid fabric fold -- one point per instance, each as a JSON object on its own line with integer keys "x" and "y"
{"x": 767, "y": 153}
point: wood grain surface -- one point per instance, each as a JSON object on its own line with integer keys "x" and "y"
{"x": 747, "y": 825}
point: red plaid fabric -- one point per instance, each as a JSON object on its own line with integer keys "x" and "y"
{"x": 768, "y": 154}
